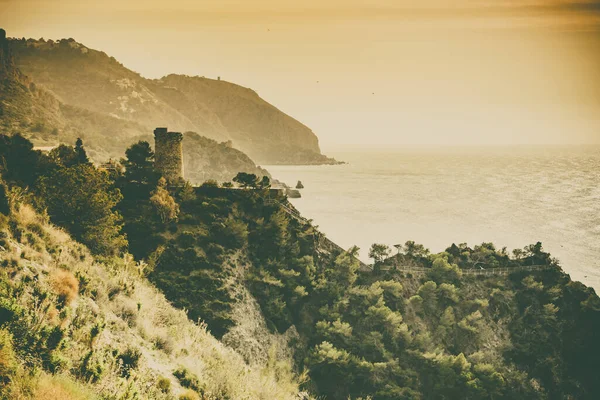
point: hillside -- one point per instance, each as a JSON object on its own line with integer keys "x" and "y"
{"x": 115, "y": 285}
{"x": 286, "y": 304}
{"x": 440, "y": 332}
{"x": 99, "y": 330}
{"x": 90, "y": 79}
{"x": 37, "y": 113}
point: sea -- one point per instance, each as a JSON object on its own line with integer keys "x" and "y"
{"x": 511, "y": 197}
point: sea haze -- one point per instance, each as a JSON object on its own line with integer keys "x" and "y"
{"x": 509, "y": 196}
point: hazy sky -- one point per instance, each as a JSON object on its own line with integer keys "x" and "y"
{"x": 364, "y": 72}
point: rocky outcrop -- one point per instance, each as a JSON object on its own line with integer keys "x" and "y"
{"x": 293, "y": 193}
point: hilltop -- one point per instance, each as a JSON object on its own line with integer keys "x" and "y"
{"x": 36, "y": 112}
{"x": 93, "y": 81}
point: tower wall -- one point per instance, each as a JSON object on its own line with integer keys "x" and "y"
{"x": 168, "y": 154}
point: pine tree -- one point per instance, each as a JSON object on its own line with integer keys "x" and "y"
{"x": 82, "y": 157}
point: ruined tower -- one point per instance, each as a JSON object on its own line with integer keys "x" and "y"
{"x": 6, "y": 59}
{"x": 168, "y": 154}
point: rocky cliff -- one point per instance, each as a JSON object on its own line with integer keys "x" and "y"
{"x": 219, "y": 110}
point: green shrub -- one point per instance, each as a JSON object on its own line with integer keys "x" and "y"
{"x": 8, "y": 361}
{"x": 164, "y": 384}
{"x": 54, "y": 337}
{"x": 189, "y": 395}
{"x": 57, "y": 362}
{"x": 164, "y": 343}
{"x": 84, "y": 281}
{"x": 92, "y": 368}
{"x": 129, "y": 360}
{"x": 8, "y": 310}
{"x": 3, "y": 233}
{"x": 4, "y": 202}
{"x": 96, "y": 329}
{"x": 128, "y": 313}
{"x": 186, "y": 240}
{"x": 36, "y": 227}
{"x": 187, "y": 379}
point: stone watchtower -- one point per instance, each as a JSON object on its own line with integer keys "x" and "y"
{"x": 168, "y": 154}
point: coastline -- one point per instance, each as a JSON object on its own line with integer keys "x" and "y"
{"x": 438, "y": 200}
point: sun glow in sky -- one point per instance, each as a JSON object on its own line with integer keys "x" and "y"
{"x": 377, "y": 73}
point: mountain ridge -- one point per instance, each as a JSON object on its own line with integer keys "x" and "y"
{"x": 38, "y": 113}
{"x": 220, "y": 110}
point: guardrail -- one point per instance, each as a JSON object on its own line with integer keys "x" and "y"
{"x": 475, "y": 271}
{"x": 327, "y": 245}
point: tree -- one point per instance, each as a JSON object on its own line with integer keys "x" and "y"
{"x": 63, "y": 156}
{"x": 164, "y": 204}
{"x": 68, "y": 156}
{"x": 139, "y": 164}
{"x": 82, "y": 157}
{"x": 4, "y": 201}
{"x": 19, "y": 163}
{"x": 81, "y": 199}
{"x": 415, "y": 250}
{"x": 518, "y": 254}
{"x": 428, "y": 292}
{"x": 442, "y": 270}
{"x": 232, "y": 233}
{"x": 379, "y": 252}
{"x": 344, "y": 273}
{"x": 211, "y": 183}
{"x": 246, "y": 180}
{"x": 328, "y": 367}
{"x": 534, "y": 250}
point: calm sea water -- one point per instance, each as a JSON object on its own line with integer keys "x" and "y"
{"x": 511, "y": 197}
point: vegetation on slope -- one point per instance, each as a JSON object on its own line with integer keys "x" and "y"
{"x": 220, "y": 253}
{"x": 385, "y": 334}
{"x": 78, "y": 326}
{"x": 206, "y": 159}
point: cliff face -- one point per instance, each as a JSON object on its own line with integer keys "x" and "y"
{"x": 92, "y": 80}
{"x": 255, "y": 126}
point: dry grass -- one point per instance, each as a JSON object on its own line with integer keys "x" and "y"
{"x": 60, "y": 388}
{"x": 8, "y": 360}
{"x": 189, "y": 395}
{"x": 166, "y": 338}
{"x": 43, "y": 386}
{"x": 65, "y": 285}
{"x": 27, "y": 216}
